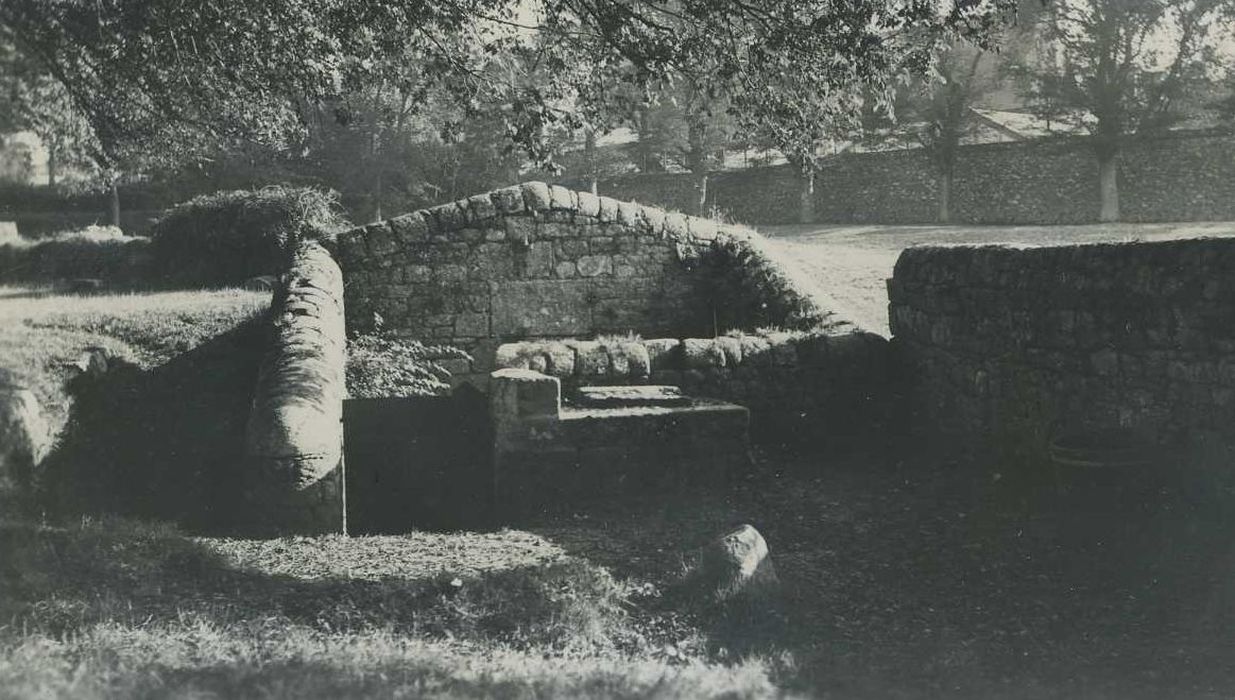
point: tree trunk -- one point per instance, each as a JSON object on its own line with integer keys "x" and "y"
{"x": 703, "y": 194}
{"x": 945, "y": 197}
{"x": 115, "y": 204}
{"x": 377, "y": 194}
{"x": 595, "y": 186}
{"x": 1108, "y": 186}
{"x": 51, "y": 163}
{"x": 806, "y": 204}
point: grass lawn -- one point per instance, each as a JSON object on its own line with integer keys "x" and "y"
{"x": 42, "y": 332}
{"x": 851, "y": 263}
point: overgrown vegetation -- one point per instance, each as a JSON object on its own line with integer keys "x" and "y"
{"x": 380, "y": 365}
{"x": 751, "y": 288}
{"x": 225, "y": 238}
{"x": 94, "y": 252}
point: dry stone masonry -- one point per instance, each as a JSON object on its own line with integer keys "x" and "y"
{"x": 295, "y": 433}
{"x": 1186, "y": 176}
{"x": 796, "y": 385}
{"x": 1008, "y": 347}
{"x": 540, "y": 261}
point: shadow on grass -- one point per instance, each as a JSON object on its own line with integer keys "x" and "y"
{"x": 165, "y": 443}
{"x": 169, "y": 612}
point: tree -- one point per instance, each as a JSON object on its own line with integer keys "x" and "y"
{"x": 32, "y": 100}
{"x": 1117, "y": 68}
{"x": 685, "y": 128}
{"x": 199, "y": 74}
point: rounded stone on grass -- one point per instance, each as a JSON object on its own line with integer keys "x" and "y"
{"x": 736, "y": 564}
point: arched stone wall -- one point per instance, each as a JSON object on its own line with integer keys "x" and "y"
{"x": 538, "y": 261}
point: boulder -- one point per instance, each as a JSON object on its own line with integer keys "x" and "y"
{"x": 24, "y": 436}
{"x": 737, "y": 565}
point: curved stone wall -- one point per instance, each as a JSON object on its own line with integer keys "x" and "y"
{"x": 540, "y": 261}
{"x": 294, "y": 441}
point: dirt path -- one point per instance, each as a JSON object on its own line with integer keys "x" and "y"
{"x": 852, "y": 263}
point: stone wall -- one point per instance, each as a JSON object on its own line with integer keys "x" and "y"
{"x": 1009, "y": 347}
{"x": 1174, "y": 177}
{"x": 294, "y": 440}
{"x": 798, "y": 387}
{"x": 534, "y": 261}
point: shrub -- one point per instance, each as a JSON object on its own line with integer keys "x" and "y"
{"x": 227, "y": 237}
{"x": 380, "y": 366}
{"x": 100, "y": 252}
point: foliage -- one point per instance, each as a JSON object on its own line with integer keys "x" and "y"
{"x": 380, "y": 365}
{"x": 1120, "y": 67}
{"x": 32, "y": 99}
{"x": 96, "y": 252}
{"x": 228, "y": 70}
{"x": 227, "y": 237}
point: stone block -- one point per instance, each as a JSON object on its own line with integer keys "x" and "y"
{"x": 663, "y": 353}
{"x": 559, "y": 359}
{"x": 410, "y": 228}
{"x": 557, "y": 230}
{"x": 520, "y": 230}
{"x": 516, "y": 395}
{"x": 653, "y": 221}
{"x": 608, "y": 210}
{"x": 702, "y": 229}
{"x": 732, "y": 349}
{"x": 595, "y": 265}
{"x": 702, "y": 353}
{"x": 591, "y": 359}
{"x": 472, "y": 325}
{"x": 450, "y": 217}
{"x": 536, "y": 196}
{"x": 351, "y": 246}
{"x": 629, "y": 214}
{"x": 480, "y": 208}
{"x": 676, "y": 227}
{"x": 542, "y": 307}
{"x": 572, "y": 248}
{"x": 380, "y": 239}
{"x": 562, "y": 199}
{"x": 493, "y": 235}
{"x": 565, "y": 270}
{"x": 538, "y": 261}
{"x": 589, "y": 204}
{"x": 630, "y": 360}
{"x": 508, "y": 200}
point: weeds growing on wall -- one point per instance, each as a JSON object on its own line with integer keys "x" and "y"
{"x": 383, "y": 366}
{"x": 227, "y": 237}
{"x": 751, "y": 289}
